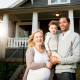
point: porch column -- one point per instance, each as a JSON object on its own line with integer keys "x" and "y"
{"x": 17, "y": 30}
{"x": 6, "y": 23}
{"x": 4, "y": 39}
{"x": 70, "y": 14}
{"x": 35, "y": 22}
{"x": 79, "y": 26}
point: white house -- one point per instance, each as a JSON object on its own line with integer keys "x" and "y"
{"x": 20, "y": 18}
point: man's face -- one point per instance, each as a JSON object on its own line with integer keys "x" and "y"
{"x": 64, "y": 24}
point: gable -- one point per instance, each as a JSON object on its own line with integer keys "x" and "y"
{"x": 36, "y": 3}
{"x": 45, "y": 3}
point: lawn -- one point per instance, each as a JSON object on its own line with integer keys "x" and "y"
{"x": 78, "y": 72}
{"x": 11, "y": 68}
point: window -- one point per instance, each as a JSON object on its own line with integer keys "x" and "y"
{"x": 54, "y": 1}
{"x": 58, "y": 1}
{"x": 63, "y": 0}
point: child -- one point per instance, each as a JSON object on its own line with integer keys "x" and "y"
{"x": 51, "y": 39}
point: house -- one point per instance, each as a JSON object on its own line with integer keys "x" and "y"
{"x": 20, "y": 18}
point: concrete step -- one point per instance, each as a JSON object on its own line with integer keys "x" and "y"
{"x": 23, "y": 71}
{"x": 20, "y": 76}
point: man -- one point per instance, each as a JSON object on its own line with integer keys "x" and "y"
{"x": 68, "y": 49}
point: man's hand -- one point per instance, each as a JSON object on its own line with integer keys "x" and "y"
{"x": 54, "y": 60}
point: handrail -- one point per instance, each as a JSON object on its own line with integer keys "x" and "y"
{"x": 6, "y": 63}
{"x": 13, "y": 54}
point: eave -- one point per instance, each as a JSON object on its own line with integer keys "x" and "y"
{"x": 50, "y": 8}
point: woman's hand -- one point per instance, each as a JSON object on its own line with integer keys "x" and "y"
{"x": 54, "y": 60}
{"x": 24, "y": 77}
{"x": 48, "y": 65}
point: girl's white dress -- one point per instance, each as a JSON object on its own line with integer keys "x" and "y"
{"x": 42, "y": 73}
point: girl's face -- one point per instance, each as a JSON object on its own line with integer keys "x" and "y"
{"x": 53, "y": 29}
{"x": 38, "y": 38}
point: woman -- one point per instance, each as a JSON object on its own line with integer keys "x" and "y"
{"x": 38, "y": 65}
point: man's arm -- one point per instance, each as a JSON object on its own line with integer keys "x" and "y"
{"x": 75, "y": 50}
{"x": 71, "y": 59}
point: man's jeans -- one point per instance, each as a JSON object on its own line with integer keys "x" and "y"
{"x": 65, "y": 76}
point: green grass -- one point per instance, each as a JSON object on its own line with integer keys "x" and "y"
{"x": 11, "y": 68}
{"x": 78, "y": 72}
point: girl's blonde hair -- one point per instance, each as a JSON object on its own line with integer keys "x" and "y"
{"x": 53, "y": 22}
{"x": 30, "y": 41}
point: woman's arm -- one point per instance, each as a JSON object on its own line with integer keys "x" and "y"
{"x": 30, "y": 60}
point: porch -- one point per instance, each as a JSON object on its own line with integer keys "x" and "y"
{"x": 17, "y": 42}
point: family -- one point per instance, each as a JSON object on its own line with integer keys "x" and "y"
{"x": 61, "y": 50}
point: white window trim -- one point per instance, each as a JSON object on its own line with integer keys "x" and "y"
{"x": 49, "y": 2}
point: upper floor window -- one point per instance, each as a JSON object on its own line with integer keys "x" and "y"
{"x": 58, "y": 1}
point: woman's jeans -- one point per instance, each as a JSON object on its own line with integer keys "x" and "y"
{"x": 65, "y": 76}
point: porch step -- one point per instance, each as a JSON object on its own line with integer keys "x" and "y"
{"x": 21, "y": 76}
{"x": 18, "y": 74}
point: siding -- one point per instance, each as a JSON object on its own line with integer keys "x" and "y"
{"x": 75, "y": 1}
{"x": 36, "y": 3}
{"x": 42, "y": 3}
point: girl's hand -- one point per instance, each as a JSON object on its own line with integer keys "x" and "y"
{"x": 49, "y": 53}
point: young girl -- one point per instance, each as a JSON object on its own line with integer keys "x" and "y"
{"x": 51, "y": 39}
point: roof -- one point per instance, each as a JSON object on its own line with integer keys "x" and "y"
{"x": 10, "y": 3}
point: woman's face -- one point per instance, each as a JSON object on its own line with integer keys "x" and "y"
{"x": 38, "y": 38}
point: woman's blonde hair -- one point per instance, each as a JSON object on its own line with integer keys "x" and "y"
{"x": 30, "y": 41}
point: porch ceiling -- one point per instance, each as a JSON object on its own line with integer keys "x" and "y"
{"x": 46, "y": 15}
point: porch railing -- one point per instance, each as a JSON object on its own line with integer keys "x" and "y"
{"x": 16, "y": 42}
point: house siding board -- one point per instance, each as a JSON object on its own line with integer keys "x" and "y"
{"x": 75, "y": 1}
{"x": 36, "y": 3}
{"x": 43, "y": 3}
